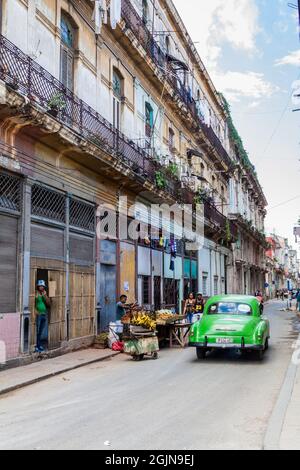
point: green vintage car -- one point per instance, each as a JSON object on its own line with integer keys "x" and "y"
{"x": 231, "y": 322}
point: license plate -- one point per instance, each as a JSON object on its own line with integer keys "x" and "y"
{"x": 224, "y": 340}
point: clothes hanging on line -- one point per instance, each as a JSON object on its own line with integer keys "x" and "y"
{"x": 115, "y": 13}
{"x": 99, "y": 15}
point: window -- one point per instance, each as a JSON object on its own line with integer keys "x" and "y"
{"x": 171, "y": 140}
{"x": 118, "y": 93}
{"x": 223, "y": 286}
{"x": 117, "y": 84}
{"x": 67, "y": 53}
{"x": 145, "y": 11}
{"x": 157, "y": 293}
{"x": 202, "y": 170}
{"x": 216, "y": 285}
{"x": 204, "y": 285}
{"x": 149, "y": 120}
{"x": 168, "y": 45}
{"x": 146, "y": 290}
{"x": 230, "y": 308}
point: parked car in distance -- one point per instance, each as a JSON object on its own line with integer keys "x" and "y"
{"x": 231, "y": 322}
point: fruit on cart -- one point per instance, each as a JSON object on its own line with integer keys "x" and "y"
{"x": 144, "y": 320}
{"x": 164, "y": 315}
{"x": 126, "y": 318}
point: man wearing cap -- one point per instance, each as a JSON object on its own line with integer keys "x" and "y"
{"x": 42, "y": 303}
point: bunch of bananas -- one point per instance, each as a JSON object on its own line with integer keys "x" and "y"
{"x": 144, "y": 320}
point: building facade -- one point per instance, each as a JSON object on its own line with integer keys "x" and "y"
{"x": 91, "y": 115}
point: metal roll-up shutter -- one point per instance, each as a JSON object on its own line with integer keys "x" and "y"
{"x": 8, "y": 263}
{"x": 47, "y": 242}
{"x": 81, "y": 250}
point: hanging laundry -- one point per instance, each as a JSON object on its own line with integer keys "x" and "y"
{"x": 99, "y": 15}
{"x": 172, "y": 264}
{"x": 115, "y": 13}
{"x": 173, "y": 245}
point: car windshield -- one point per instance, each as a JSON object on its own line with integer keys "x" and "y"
{"x": 230, "y": 308}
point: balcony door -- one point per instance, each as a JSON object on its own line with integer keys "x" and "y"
{"x": 67, "y": 53}
{"x": 117, "y": 99}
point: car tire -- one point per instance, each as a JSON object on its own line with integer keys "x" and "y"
{"x": 267, "y": 344}
{"x": 259, "y": 355}
{"x": 201, "y": 353}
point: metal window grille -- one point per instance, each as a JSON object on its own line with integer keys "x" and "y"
{"x": 82, "y": 215}
{"x": 10, "y": 192}
{"x": 48, "y": 204}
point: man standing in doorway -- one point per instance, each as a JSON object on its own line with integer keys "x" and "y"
{"x": 42, "y": 303}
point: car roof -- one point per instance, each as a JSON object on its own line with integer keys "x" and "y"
{"x": 247, "y": 299}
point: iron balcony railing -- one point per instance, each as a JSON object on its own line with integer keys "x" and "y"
{"x": 23, "y": 74}
{"x": 134, "y": 21}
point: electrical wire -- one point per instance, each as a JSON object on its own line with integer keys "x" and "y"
{"x": 284, "y": 203}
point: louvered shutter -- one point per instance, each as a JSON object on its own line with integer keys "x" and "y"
{"x": 66, "y": 67}
{"x": 81, "y": 250}
{"x": 8, "y": 263}
{"x": 46, "y": 242}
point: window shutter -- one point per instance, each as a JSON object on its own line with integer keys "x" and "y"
{"x": 66, "y": 68}
{"x": 47, "y": 242}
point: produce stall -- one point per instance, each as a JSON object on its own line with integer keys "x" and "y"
{"x": 139, "y": 336}
{"x": 172, "y": 329}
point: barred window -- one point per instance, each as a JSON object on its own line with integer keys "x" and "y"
{"x": 10, "y": 192}
{"x": 48, "y": 203}
{"x": 82, "y": 215}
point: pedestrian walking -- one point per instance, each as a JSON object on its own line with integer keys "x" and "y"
{"x": 199, "y": 304}
{"x": 42, "y": 304}
{"x": 298, "y": 300}
{"x": 189, "y": 308}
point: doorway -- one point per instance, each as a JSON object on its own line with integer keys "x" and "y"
{"x": 43, "y": 275}
{"x": 108, "y": 282}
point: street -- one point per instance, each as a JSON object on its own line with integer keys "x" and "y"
{"x": 176, "y": 402}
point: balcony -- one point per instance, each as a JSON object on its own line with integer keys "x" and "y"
{"x": 249, "y": 228}
{"x": 21, "y": 74}
{"x": 145, "y": 38}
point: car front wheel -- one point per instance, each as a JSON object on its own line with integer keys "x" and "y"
{"x": 201, "y": 353}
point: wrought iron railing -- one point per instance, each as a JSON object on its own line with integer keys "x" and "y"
{"x": 146, "y": 39}
{"x": 22, "y": 73}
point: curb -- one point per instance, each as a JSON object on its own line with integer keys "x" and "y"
{"x": 13, "y": 388}
{"x": 276, "y": 422}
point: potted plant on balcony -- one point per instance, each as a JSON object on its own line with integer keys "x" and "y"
{"x": 56, "y": 104}
{"x": 173, "y": 170}
{"x": 201, "y": 196}
{"x": 160, "y": 180}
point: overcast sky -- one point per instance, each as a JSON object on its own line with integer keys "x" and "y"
{"x": 251, "y": 50}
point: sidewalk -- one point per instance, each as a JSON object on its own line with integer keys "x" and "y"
{"x": 290, "y": 435}
{"x": 13, "y": 379}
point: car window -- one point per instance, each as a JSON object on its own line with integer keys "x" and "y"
{"x": 230, "y": 308}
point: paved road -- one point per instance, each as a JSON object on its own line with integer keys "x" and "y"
{"x": 176, "y": 402}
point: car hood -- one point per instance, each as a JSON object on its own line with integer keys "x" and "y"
{"x": 222, "y": 325}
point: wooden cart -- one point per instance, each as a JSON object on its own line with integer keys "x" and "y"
{"x": 139, "y": 344}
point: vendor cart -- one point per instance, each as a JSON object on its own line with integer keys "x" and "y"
{"x": 140, "y": 343}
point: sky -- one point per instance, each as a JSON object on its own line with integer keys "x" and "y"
{"x": 251, "y": 50}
